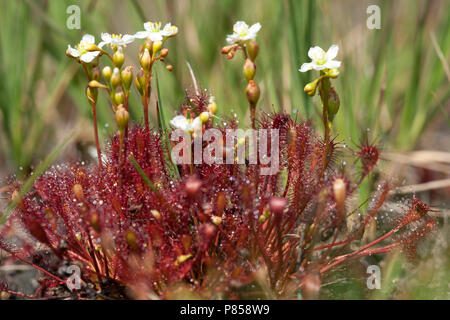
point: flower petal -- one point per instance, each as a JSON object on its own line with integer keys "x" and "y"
{"x": 306, "y": 67}
{"x": 155, "y": 36}
{"x": 106, "y": 37}
{"x": 73, "y": 52}
{"x": 88, "y": 38}
{"x": 333, "y": 64}
{"x": 238, "y": 26}
{"x": 332, "y": 52}
{"x": 233, "y": 38}
{"x": 101, "y": 44}
{"x": 148, "y": 26}
{"x": 141, "y": 34}
{"x": 313, "y": 52}
{"x": 255, "y": 28}
{"x": 319, "y": 67}
{"x": 127, "y": 38}
{"x": 180, "y": 122}
{"x": 89, "y": 56}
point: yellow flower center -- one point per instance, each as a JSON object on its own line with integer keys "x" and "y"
{"x": 82, "y": 47}
{"x": 155, "y": 26}
{"x": 242, "y": 31}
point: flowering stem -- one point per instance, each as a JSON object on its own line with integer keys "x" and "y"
{"x": 324, "y": 90}
{"x": 97, "y": 144}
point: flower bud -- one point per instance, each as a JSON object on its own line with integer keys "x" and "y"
{"x": 92, "y": 47}
{"x": 95, "y": 73}
{"x": 119, "y": 97}
{"x": 96, "y": 84}
{"x": 169, "y": 67}
{"x": 164, "y": 52}
{"x": 249, "y": 69}
{"x": 227, "y": 49}
{"x": 138, "y": 85}
{"x": 145, "y": 60}
{"x": 148, "y": 44}
{"x": 253, "y": 49}
{"x": 156, "y": 47}
{"x": 127, "y": 77}
{"x": 118, "y": 58}
{"x": 92, "y": 93}
{"x": 141, "y": 79}
{"x": 311, "y": 87}
{"x": 340, "y": 192}
{"x": 230, "y": 55}
{"x": 333, "y": 104}
{"x": 333, "y": 73}
{"x": 204, "y": 117}
{"x": 122, "y": 117}
{"x": 212, "y": 106}
{"x": 115, "y": 78}
{"x": 252, "y": 92}
{"x": 107, "y": 72}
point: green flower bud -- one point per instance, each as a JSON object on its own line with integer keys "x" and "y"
{"x": 127, "y": 77}
{"x": 119, "y": 97}
{"x": 333, "y": 104}
{"x": 212, "y": 106}
{"x": 145, "y": 60}
{"x": 107, "y": 72}
{"x": 92, "y": 93}
{"x": 204, "y": 116}
{"x": 118, "y": 58}
{"x": 115, "y": 78}
{"x": 249, "y": 69}
{"x": 122, "y": 117}
{"x": 156, "y": 47}
{"x": 311, "y": 87}
{"x": 96, "y": 84}
{"x": 138, "y": 85}
{"x": 333, "y": 73}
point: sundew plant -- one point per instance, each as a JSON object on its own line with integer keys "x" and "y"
{"x": 150, "y": 220}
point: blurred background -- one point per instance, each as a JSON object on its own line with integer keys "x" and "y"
{"x": 393, "y": 83}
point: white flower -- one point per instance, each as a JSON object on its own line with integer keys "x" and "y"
{"x": 241, "y": 32}
{"x": 155, "y": 33}
{"x": 115, "y": 39}
{"x": 321, "y": 60}
{"x": 80, "y": 51}
{"x": 187, "y": 125}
